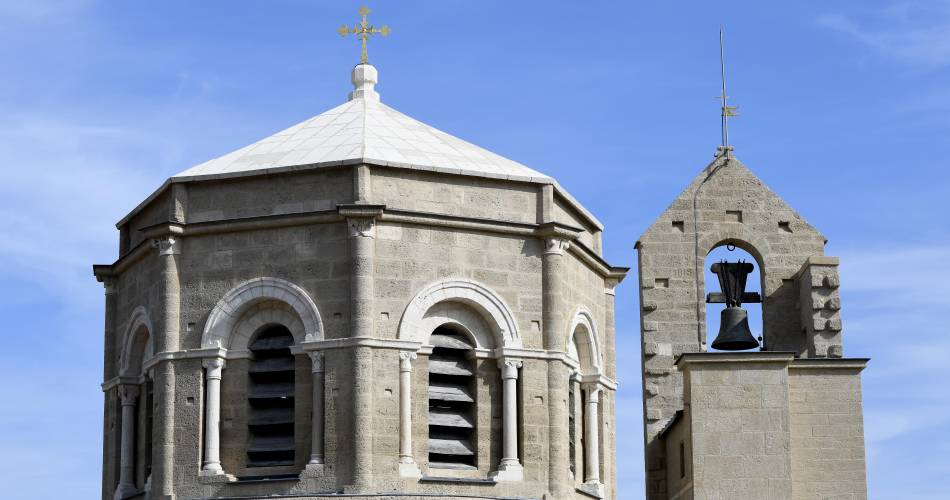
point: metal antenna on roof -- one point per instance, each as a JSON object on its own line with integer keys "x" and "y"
{"x": 727, "y": 110}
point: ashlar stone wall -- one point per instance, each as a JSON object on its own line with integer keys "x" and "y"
{"x": 195, "y": 242}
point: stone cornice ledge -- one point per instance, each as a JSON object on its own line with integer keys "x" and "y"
{"x": 695, "y": 358}
{"x": 319, "y": 345}
{"x": 830, "y": 364}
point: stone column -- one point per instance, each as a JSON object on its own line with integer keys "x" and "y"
{"x": 316, "y": 423}
{"x": 407, "y": 466}
{"x": 110, "y": 368}
{"x": 555, "y": 338}
{"x": 592, "y": 435}
{"x": 167, "y": 340}
{"x": 361, "y": 221}
{"x": 212, "y": 458}
{"x": 510, "y": 467}
{"x": 127, "y": 396}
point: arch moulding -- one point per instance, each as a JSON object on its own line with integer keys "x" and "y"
{"x": 583, "y": 317}
{"x": 137, "y": 320}
{"x": 488, "y": 303}
{"x": 228, "y": 311}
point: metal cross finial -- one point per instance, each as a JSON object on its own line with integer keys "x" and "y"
{"x": 363, "y": 31}
{"x": 727, "y": 110}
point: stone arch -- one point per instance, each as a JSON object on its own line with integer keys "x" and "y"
{"x": 582, "y": 342}
{"x": 489, "y": 306}
{"x": 221, "y": 326}
{"x": 743, "y": 238}
{"x": 137, "y": 345}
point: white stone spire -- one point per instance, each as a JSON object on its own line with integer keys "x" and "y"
{"x": 364, "y": 79}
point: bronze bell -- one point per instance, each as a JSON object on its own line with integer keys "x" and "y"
{"x": 734, "y": 332}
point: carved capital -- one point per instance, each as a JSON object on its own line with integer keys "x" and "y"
{"x": 556, "y": 245}
{"x": 214, "y": 367}
{"x": 128, "y": 394}
{"x": 509, "y": 368}
{"x": 167, "y": 245}
{"x": 316, "y": 361}
{"x": 593, "y": 392}
{"x": 362, "y": 227}
{"x": 405, "y": 360}
{"x": 109, "y": 284}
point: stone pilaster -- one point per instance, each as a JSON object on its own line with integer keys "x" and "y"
{"x": 554, "y": 314}
{"x": 110, "y": 364}
{"x": 166, "y": 340}
{"x": 361, "y": 222}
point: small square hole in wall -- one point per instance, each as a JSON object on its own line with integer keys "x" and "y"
{"x": 539, "y": 400}
{"x": 191, "y": 327}
{"x": 389, "y": 393}
{"x": 733, "y": 215}
{"x": 384, "y": 316}
{"x": 785, "y": 226}
{"x": 662, "y": 283}
{"x": 190, "y": 400}
{"x": 337, "y": 315}
{"x": 536, "y": 325}
{"x": 679, "y": 226}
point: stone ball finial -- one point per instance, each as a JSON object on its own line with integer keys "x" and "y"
{"x": 364, "y": 80}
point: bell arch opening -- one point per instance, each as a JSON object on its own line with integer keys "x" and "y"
{"x": 733, "y": 278}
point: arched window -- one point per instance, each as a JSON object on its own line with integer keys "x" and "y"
{"x": 271, "y": 399}
{"x": 452, "y": 401}
{"x": 584, "y": 417}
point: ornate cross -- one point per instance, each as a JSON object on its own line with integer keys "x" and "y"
{"x": 363, "y": 31}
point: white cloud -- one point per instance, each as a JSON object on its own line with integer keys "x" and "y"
{"x": 917, "y": 33}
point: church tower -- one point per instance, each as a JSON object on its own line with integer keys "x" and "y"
{"x": 364, "y": 304}
{"x": 777, "y": 418}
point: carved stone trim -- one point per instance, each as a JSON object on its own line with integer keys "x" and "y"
{"x": 214, "y": 367}
{"x": 362, "y": 227}
{"x": 167, "y": 245}
{"x": 128, "y": 394}
{"x": 316, "y": 361}
{"x": 405, "y": 360}
{"x": 556, "y": 245}
{"x": 509, "y": 368}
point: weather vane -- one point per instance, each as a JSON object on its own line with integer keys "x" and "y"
{"x": 727, "y": 110}
{"x": 363, "y": 31}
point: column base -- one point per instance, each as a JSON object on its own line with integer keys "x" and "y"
{"x": 215, "y": 475}
{"x": 409, "y": 468}
{"x": 124, "y": 491}
{"x": 508, "y": 470}
{"x": 313, "y": 469}
{"x": 593, "y": 487}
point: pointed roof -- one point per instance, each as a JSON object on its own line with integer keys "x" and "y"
{"x": 726, "y": 172}
{"x": 364, "y": 130}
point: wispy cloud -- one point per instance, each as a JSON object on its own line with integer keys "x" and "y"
{"x": 917, "y": 33}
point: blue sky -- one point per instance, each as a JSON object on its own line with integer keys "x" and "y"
{"x": 845, "y": 112}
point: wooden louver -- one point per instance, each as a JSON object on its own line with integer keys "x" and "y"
{"x": 451, "y": 401}
{"x": 271, "y": 399}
